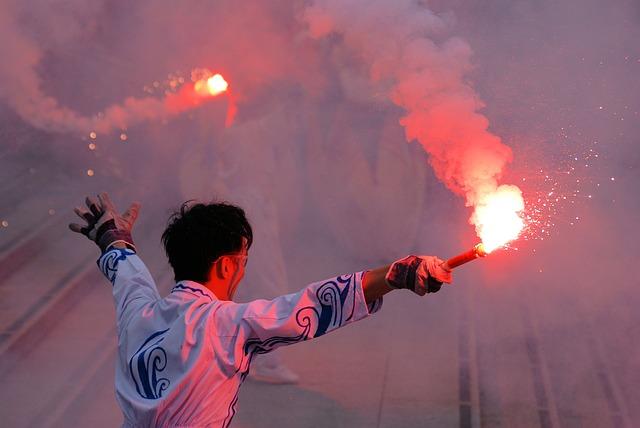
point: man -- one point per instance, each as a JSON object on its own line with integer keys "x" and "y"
{"x": 182, "y": 358}
{"x": 235, "y": 168}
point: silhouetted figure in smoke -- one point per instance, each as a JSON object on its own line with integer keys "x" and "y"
{"x": 182, "y": 358}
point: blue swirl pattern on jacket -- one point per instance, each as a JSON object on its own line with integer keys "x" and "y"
{"x": 144, "y": 366}
{"x": 108, "y": 262}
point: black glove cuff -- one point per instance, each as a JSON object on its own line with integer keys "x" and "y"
{"x": 402, "y": 273}
{"x": 110, "y": 236}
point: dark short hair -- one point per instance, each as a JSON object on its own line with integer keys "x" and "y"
{"x": 197, "y": 234}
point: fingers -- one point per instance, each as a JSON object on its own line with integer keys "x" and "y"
{"x": 106, "y": 203}
{"x": 84, "y": 214}
{"x": 437, "y": 271}
{"x": 78, "y": 228}
{"x": 131, "y": 214}
{"x": 442, "y": 275}
{"x": 102, "y": 215}
{"x": 441, "y": 264}
{"x": 93, "y": 206}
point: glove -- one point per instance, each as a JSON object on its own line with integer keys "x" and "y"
{"x": 104, "y": 225}
{"x": 420, "y": 274}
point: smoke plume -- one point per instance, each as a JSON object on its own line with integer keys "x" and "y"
{"x": 407, "y": 53}
{"x": 22, "y": 86}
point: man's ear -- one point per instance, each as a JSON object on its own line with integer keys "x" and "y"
{"x": 217, "y": 269}
{"x": 224, "y": 266}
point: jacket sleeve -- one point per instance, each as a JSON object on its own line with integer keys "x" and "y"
{"x": 133, "y": 286}
{"x": 263, "y": 325}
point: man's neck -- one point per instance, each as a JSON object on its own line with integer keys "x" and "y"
{"x": 218, "y": 288}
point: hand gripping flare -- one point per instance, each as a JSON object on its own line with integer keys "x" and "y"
{"x": 420, "y": 274}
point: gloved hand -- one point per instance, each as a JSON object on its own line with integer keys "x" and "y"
{"x": 104, "y": 225}
{"x": 420, "y": 274}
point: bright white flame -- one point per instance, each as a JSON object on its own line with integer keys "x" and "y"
{"x": 497, "y": 217}
{"x": 216, "y": 84}
{"x": 211, "y": 85}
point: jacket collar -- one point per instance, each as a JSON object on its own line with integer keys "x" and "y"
{"x": 194, "y": 288}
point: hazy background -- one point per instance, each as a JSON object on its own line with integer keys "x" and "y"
{"x": 545, "y": 335}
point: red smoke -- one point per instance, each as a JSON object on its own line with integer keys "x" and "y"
{"x": 396, "y": 43}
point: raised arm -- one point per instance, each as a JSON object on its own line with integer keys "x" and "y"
{"x": 374, "y": 285}
{"x": 133, "y": 286}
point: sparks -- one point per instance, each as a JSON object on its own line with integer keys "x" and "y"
{"x": 555, "y": 194}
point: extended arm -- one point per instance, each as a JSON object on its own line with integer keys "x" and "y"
{"x": 263, "y": 325}
{"x": 374, "y": 284}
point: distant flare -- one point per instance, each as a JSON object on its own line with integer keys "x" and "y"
{"x": 211, "y": 85}
{"x": 216, "y": 84}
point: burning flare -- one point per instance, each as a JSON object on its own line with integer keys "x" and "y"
{"x": 498, "y": 220}
{"x": 216, "y": 84}
{"x": 498, "y": 217}
{"x": 210, "y": 85}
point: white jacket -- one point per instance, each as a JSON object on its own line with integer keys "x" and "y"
{"x": 182, "y": 358}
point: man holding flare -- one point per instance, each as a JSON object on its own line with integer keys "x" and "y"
{"x": 182, "y": 358}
